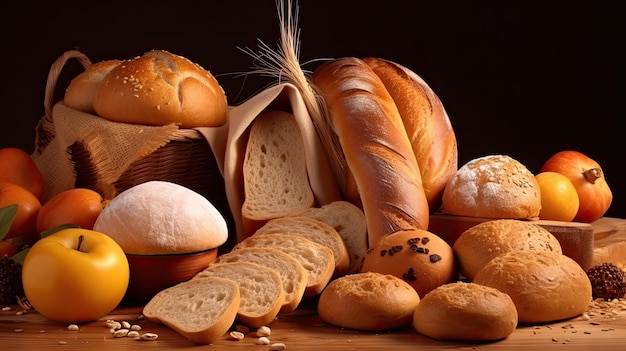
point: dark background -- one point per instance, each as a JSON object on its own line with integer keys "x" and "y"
{"x": 526, "y": 79}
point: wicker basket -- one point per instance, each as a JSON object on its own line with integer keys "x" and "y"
{"x": 186, "y": 160}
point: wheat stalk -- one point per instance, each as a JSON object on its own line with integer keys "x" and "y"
{"x": 284, "y": 65}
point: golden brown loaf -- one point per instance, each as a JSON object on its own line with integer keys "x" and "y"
{"x": 479, "y": 244}
{"x": 160, "y": 88}
{"x": 382, "y": 172}
{"x": 368, "y": 301}
{"x": 545, "y": 286}
{"x": 419, "y": 257}
{"x": 427, "y": 125}
{"x": 493, "y": 186}
{"x": 465, "y": 311}
{"x": 81, "y": 91}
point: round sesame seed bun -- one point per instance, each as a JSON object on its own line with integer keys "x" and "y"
{"x": 160, "y": 88}
{"x": 479, "y": 244}
{"x": 493, "y": 186}
{"x": 368, "y": 301}
{"x": 465, "y": 311}
{"x": 419, "y": 257}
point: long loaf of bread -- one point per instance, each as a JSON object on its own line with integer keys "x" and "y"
{"x": 383, "y": 174}
{"x": 427, "y": 124}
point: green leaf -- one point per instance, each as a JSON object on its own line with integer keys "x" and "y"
{"x": 20, "y": 256}
{"x": 57, "y": 229}
{"x": 7, "y": 215}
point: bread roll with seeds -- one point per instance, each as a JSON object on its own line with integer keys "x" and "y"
{"x": 493, "y": 186}
{"x": 159, "y": 88}
{"x": 419, "y": 257}
{"x": 479, "y": 244}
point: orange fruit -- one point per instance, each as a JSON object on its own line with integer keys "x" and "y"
{"x": 28, "y": 206}
{"x": 559, "y": 199}
{"x": 78, "y": 206}
{"x": 19, "y": 168}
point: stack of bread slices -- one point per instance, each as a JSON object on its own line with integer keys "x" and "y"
{"x": 285, "y": 260}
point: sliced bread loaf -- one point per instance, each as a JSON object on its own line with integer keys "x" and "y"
{"x": 317, "y": 259}
{"x": 261, "y": 289}
{"x": 314, "y": 230}
{"x": 349, "y": 221}
{"x": 275, "y": 177}
{"x": 293, "y": 275}
{"x": 201, "y": 310}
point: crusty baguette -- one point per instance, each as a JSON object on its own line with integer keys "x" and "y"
{"x": 349, "y": 221}
{"x": 293, "y": 275}
{"x": 383, "y": 173}
{"x": 261, "y": 288}
{"x": 317, "y": 259}
{"x": 201, "y": 310}
{"x": 275, "y": 175}
{"x": 314, "y": 230}
{"x": 427, "y": 125}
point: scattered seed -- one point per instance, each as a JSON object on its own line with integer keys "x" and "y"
{"x": 263, "y": 341}
{"x": 133, "y": 334}
{"x": 62, "y": 342}
{"x": 264, "y": 331}
{"x": 19, "y": 313}
{"x": 149, "y": 336}
{"x": 125, "y": 325}
{"x": 120, "y": 333}
{"x": 18, "y": 330}
{"x": 278, "y": 346}
{"x": 236, "y": 335}
{"x": 73, "y": 327}
{"x": 135, "y": 327}
{"x": 7, "y": 308}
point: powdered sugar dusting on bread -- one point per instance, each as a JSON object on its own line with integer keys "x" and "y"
{"x": 495, "y": 186}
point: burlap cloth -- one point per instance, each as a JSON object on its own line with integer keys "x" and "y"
{"x": 113, "y": 147}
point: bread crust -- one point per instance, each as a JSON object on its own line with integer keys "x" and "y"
{"x": 545, "y": 286}
{"x": 465, "y": 311}
{"x": 427, "y": 125}
{"x": 383, "y": 175}
{"x": 81, "y": 91}
{"x": 493, "y": 186}
{"x": 368, "y": 301}
{"x": 481, "y": 243}
{"x": 160, "y": 88}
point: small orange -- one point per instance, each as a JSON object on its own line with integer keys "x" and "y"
{"x": 559, "y": 199}
{"x": 19, "y": 168}
{"x": 28, "y": 207}
{"x": 78, "y": 206}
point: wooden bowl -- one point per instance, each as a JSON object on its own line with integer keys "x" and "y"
{"x": 150, "y": 274}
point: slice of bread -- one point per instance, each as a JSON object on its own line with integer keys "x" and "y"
{"x": 293, "y": 275}
{"x": 201, "y": 310}
{"x": 349, "y": 221}
{"x": 261, "y": 289}
{"x": 275, "y": 177}
{"x": 314, "y": 230}
{"x": 317, "y": 259}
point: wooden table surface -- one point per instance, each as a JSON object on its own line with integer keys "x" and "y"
{"x": 303, "y": 330}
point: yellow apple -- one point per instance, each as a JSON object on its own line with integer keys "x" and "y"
{"x": 75, "y": 275}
